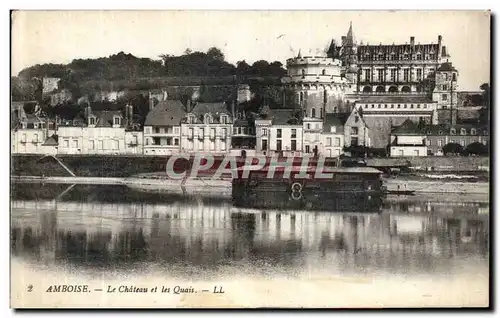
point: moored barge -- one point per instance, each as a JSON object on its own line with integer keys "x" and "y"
{"x": 357, "y": 189}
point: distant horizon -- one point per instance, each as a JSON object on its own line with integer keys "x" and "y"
{"x": 59, "y": 37}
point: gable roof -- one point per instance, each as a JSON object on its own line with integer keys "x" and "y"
{"x": 214, "y": 109}
{"x": 408, "y": 127}
{"x": 285, "y": 117}
{"x": 104, "y": 118}
{"x": 166, "y": 113}
{"x": 51, "y": 141}
{"x": 332, "y": 120}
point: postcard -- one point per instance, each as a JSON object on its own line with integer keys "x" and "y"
{"x": 250, "y": 159}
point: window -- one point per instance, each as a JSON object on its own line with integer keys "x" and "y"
{"x": 191, "y": 119}
{"x": 101, "y": 144}
{"x": 208, "y": 119}
{"x": 147, "y": 130}
{"x": 35, "y": 126}
{"x": 453, "y": 131}
{"x": 223, "y": 119}
{"x": 313, "y": 113}
{"x": 264, "y": 131}
{"x": 392, "y": 105}
{"x": 212, "y": 133}
{"x": 294, "y": 145}
{"x": 445, "y": 87}
{"x": 444, "y": 97}
{"x": 235, "y": 130}
{"x": 354, "y": 141}
{"x": 278, "y": 133}
{"x": 411, "y": 105}
{"x": 462, "y": 143}
{"x": 406, "y": 75}
{"x": 176, "y": 130}
{"x": 75, "y": 143}
{"x": 445, "y": 76}
{"x": 308, "y": 126}
{"x": 333, "y": 129}
{"x": 440, "y": 143}
{"x": 157, "y": 130}
{"x": 473, "y": 131}
{"x": 116, "y": 144}
{"x": 393, "y": 75}
{"x": 92, "y": 144}
{"x": 337, "y": 142}
{"x": 419, "y": 72}
{"x": 223, "y": 146}
{"x": 399, "y": 105}
{"x": 380, "y": 75}
{"x": 325, "y": 96}
{"x": 308, "y": 149}
{"x": 201, "y": 134}
{"x": 117, "y": 120}
{"x": 415, "y": 152}
{"x": 354, "y": 130}
{"x": 429, "y": 142}
{"x": 463, "y": 131}
{"x": 191, "y": 133}
{"x": 323, "y": 72}
{"x": 66, "y": 143}
{"x": 321, "y": 113}
{"x": 278, "y": 145}
{"x": 356, "y": 119}
{"x": 367, "y": 75}
{"x": 224, "y": 133}
{"x": 264, "y": 144}
{"x": 35, "y": 137}
{"x": 176, "y": 141}
{"x": 328, "y": 141}
{"x": 200, "y": 145}
{"x": 294, "y": 133}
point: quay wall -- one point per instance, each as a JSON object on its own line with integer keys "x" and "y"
{"x": 123, "y": 166}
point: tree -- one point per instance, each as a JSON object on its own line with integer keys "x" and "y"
{"x": 188, "y": 51}
{"x": 476, "y": 148}
{"x": 216, "y": 54}
{"x": 486, "y": 94}
{"x": 243, "y": 68}
{"x": 452, "y": 148}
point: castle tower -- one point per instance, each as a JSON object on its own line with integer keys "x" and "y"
{"x": 445, "y": 93}
{"x": 349, "y": 56}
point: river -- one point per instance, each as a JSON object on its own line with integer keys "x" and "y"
{"x": 414, "y": 251}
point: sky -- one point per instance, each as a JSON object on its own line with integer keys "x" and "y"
{"x": 60, "y": 36}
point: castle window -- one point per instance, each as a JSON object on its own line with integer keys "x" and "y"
{"x": 116, "y": 120}
{"x": 444, "y": 97}
{"x": 445, "y": 76}
{"x": 379, "y": 105}
{"x": 91, "y": 121}
{"x": 454, "y": 77}
{"x": 405, "y": 106}
{"x": 223, "y": 119}
{"x": 418, "y": 105}
{"x": 392, "y": 105}
{"x": 399, "y": 105}
{"x": 303, "y": 73}
{"x": 313, "y": 113}
{"x": 463, "y": 131}
{"x": 425, "y": 105}
{"x": 385, "y": 106}
{"x": 453, "y": 131}
{"x": 473, "y": 131}
{"x": 373, "y": 106}
{"x": 411, "y": 106}
{"x": 445, "y": 87}
{"x": 323, "y": 72}
{"x": 419, "y": 56}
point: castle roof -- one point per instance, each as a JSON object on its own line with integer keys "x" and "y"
{"x": 446, "y": 67}
{"x": 408, "y": 127}
{"x": 396, "y": 99}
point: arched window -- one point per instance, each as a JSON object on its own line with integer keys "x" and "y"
{"x": 325, "y": 96}
{"x": 313, "y": 113}
{"x": 323, "y": 72}
{"x": 303, "y": 73}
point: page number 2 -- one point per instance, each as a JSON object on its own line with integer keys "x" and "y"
{"x": 30, "y": 288}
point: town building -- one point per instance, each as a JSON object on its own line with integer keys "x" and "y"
{"x": 279, "y": 131}
{"x": 408, "y": 140}
{"x": 243, "y": 139}
{"x": 207, "y": 127}
{"x": 332, "y": 137}
{"x": 110, "y": 131}
{"x": 162, "y": 128}
{"x": 29, "y": 131}
{"x": 356, "y": 131}
{"x": 438, "y": 136}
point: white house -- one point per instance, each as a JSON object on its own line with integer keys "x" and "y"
{"x": 408, "y": 140}
{"x": 332, "y": 137}
{"x": 207, "y": 127}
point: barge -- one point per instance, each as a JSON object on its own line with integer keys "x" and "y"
{"x": 347, "y": 189}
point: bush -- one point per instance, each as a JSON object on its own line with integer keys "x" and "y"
{"x": 452, "y": 148}
{"x": 476, "y": 148}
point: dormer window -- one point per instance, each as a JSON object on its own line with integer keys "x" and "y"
{"x": 208, "y": 119}
{"x": 453, "y": 131}
{"x": 223, "y": 119}
{"x": 191, "y": 119}
{"x": 473, "y": 131}
{"x": 92, "y": 121}
{"x": 463, "y": 131}
{"x": 116, "y": 120}
{"x": 35, "y": 126}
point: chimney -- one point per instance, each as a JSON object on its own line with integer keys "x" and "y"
{"x": 88, "y": 110}
{"x": 233, "y": 107}
{"x": 412, "y": 40}
{"x": 151, "y": 102}
{"x": 188, "y": 105}
{"x": 443, "y": 53}
{"x": 440, "y": 39}
{"x": 129, "y": 113}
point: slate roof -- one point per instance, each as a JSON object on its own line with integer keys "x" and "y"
{"x": 215, "y": 109}
{"x": 398, "y": 99}
{"x": 104, "y": 118}
{"x": 166, "y": 113}
{"x": 51, "y": 141}
{"x": 446, "y": 67}
{"x": 285, "y": 117}
{"x": 445, "y": 129}
{"x": 408, "y": 127}
{"x": 333, "y": 120}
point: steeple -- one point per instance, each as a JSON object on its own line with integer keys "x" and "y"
{"x": 332, "y": 50}
{"x": 350, "y": 36}
{"x": 299, "y": 55}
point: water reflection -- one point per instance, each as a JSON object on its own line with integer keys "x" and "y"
{"x": 110, "y": 226}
